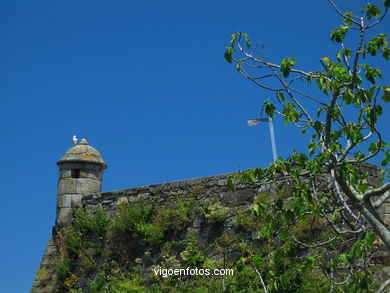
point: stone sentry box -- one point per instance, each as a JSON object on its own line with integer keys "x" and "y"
{"x": 81, "y": 172}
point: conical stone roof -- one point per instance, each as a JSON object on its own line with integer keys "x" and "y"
{"x": 83, "y": 152}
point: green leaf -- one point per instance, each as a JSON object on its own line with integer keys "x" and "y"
{"x": 386, "y": 53}
{"x": 290, "y": 113}
{"x": 348, "y": 97}
{"x": 371, "y": 73}
{"x": 283, "y": 233}
{"x": 231, "y": 184}
{"x": 370, "y": 238}
{"x": 257, "y": 260}
{"x": 347, "y": 53}
{"x": 364, "y": 283}
{"x": 362, "y": 187}
{"x": 372, "y": 11}
{"x": 323, "y": 85}
{"x": 373, "y": 147}
{"x": 233, "y": 38}
{"x": 229, "y": 54}
{"x": 386, "y": 94}
{"x": 338, "y": 34}
{"x": 386, "y": 159}
{"x": 289, "y": 215}
{"x": 338, "y": 55}
{"x": 346, "y": 258}
{"x": 309, "y": 77}
{"x": 387, "y": 3}
{"x": 247, "y": 41}
{"x": 348, "y": 16}
{"x": 359, "y": 155}
{"x": 270, "y": 109}
{"x": 357, "y": 249}
{"x": 281, "y": 96}
{"x": 287, "y": 65}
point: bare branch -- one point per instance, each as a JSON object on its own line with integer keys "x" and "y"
{"x": 262, "y": 281}
{"x": 343, "y": 201}
{"x": 314, "y": 245}
{"x": 358, "y": 51}
{"x": 244, "y": 73}
{"x": 291, "y": 95}
{"x": 307, "y": 96}
{"x": 377, "y": 191}
{"x": 346, "y": 61}
{"x": 381, "y": 200}
{"x": 383, "y": 286}
{"x": 268, "y": 64}
{"x": 339, "y": 12}
{"x": 349, "y": 148}
{"x": 328, "y": 123}
{"x": 330, "y": 278}
{"x": 264, "y": 76}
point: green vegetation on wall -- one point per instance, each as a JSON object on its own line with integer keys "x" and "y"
{"x": 120, "y": 252}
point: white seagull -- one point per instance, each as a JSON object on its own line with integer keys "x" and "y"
{"x": 74, "y": 139}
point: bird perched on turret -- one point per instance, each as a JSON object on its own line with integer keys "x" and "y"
{"x": 74, "y": 139}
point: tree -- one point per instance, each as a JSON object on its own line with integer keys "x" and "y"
{"x": 343, "y": 126}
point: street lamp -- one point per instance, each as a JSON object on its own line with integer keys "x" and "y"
{"x": 254, "y": 122}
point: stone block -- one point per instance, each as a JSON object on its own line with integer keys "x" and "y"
{"x": 46, "y": 260}
{"x": 133, "y": 199}
{"x": 87, "y": 185}
{"x": 59, "y": 201}
{"x": 108, "y": 201}
{"x": 64, "y": 217}
{"x": 50, "y": 250}
{"x": 384, "y": 208}
{"x": 197, "y": 222}
{"x": 372, "y": 181}
{"x": 93, "y": 174}
{"x": 65, "y": 173}
{"x": 67, "y": 186}
{"x": 386, "y": 218}
{"x": 222, "y": 182}
{"x": 240, "y": 197}
{"x": 66, "y": 201}
{"x": 92, "y": 208}
{"x": 76, "y": 200}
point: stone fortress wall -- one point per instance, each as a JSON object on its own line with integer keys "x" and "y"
{"x": 79, "y": 184}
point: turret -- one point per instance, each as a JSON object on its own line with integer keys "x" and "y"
{"x": 81, "y": 172}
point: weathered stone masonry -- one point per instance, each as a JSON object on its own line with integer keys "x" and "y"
{"x": 80, "y": 177}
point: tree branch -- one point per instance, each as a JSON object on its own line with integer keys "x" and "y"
{"x": 377, "y": 191}
{"x": 262, "y": 281}
{"x": 383, "y": 286}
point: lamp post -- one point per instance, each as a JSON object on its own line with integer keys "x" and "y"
{"x": 254, "y": 122}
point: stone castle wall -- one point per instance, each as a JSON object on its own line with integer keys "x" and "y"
{"x": 209, "y": 190}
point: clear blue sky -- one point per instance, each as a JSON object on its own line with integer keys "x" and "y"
{"x": 145, "y": 82}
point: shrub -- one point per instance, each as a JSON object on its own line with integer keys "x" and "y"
{"x": 63, "y": 268}
{"x": 151, "y": 233}
{"x": 129, "y": 216}
{"x": 85, "y": 235}
{"x": 216, "y": 213}
{"x": 172, "y": 219}
{"x": 247, "y": 221}
{"x": 118, "y": 284}
{"x": 192, "y": 256}
{"x": 137, "y": 220}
